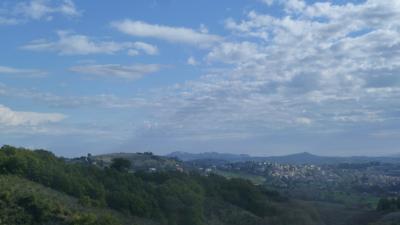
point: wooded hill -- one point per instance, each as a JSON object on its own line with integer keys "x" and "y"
{"x": 36, "y": 187}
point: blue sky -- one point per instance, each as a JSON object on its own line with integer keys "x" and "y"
{"x": 263, "y": 77}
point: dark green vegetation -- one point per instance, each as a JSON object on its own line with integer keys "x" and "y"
{"x": 121, "y": 164}
{"x": 40, "y": 188}
{"x": 389, "y": 211}
{"x": 389, "y": 205}
{"x": 26, "y": 202}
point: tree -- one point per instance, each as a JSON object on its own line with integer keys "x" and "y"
{"x": 120, "y": 164}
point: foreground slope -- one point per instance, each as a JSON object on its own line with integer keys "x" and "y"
{"x": 40, "y": 188}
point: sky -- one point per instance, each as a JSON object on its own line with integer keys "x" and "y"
{"x": 260, "y": 77}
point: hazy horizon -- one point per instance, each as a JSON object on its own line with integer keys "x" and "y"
{"x": 257, "y": 77}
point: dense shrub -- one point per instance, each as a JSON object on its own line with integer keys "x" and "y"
{"x": 170, "y": 197}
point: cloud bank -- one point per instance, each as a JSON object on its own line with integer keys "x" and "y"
{"x": 11, "y": 118}
{"x": 321, "y": 68}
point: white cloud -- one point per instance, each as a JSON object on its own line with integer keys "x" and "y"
{"x": 8, "y": 21}
{"x": 229, "y": 52}
{"x": 23, "y": 72}
{"x": 147, "y": 48}
{"x": 43, "y": 9}
{"x": 133, "y": 52}
{"x": 25, "y": 11}
{"x": 268, "y": 2}
{"x": 295, "y": 5}
{"x": 69, "y": 43}
{"x": 203, "y": 29}
{"x": 192, "y": 61}
{"x": 168, "y": 33}
{"x": 11, "y": 118}
{"x": 132, "y": 72}
{"x": 303, "y": 120}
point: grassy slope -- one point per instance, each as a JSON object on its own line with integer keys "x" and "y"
{"x": 69, "y": 207}
{"x": 257, "y": 180}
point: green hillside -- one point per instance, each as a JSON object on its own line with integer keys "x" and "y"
{"x": 37, "y": 187}
{"x": 26, "y": 202}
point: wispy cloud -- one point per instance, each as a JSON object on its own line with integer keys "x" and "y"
{"x": 22, "y": 72}
{"x": 8, "y": 21}
{"x": 131, "y": 72}
{"x": 44, "y": 9}
{"x": 167, "y": 33}
{"x": 52, "y": 100}
{"x": 38, "y": 10}
{"x": 69, "y": 43}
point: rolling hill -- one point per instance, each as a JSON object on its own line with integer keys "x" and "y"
{"x": 140, "y": 161}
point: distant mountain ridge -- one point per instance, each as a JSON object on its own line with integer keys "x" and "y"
{"x": 298, "y": 158}
{"x": 185, "y": 156}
